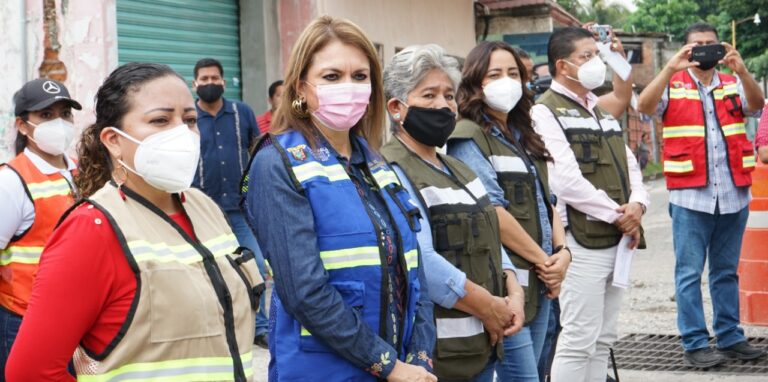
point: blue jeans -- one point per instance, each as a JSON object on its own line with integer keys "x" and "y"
{"x": 246, "y": 239}
{"x": 697, "y": 237}
{"x": 522, "y": 351}
{"x": 9, "y": 328}
{"x": 547, "y": 351}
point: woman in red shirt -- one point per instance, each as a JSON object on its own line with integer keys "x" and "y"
{"x": 141, "y": 279}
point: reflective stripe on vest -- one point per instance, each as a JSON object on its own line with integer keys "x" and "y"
{"x": 49, "y": 188}
{"x": 435, "y": 196}
{"x": 733, "y": 129}
{"x": 458, "y": 327}
{"x": 385, "y": 177}
{"x": 683, "y": 131}
{"x": 51, "y": 195}
{"x": 350, "y": 249}
{"x": 681, "y": 93}
{"x": 507, "y": 164}
{"x": 748, "y": 161}
{"x": 685, "y": 153}
{"x": 350, "y": 257}
{"x": 194, "y": 369}
{"x": 21, "y": 255}
{"x": 678, "y": 166}
{"x": 184, "y": 253}
{"x": 311, "y": 170}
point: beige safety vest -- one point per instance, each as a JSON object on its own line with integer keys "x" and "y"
{"x": 193, "y": 313}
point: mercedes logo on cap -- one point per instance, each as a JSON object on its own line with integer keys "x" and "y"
{"x": 51, "y": 87}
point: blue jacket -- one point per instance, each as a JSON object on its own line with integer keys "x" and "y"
{"x": 353, "y": 259}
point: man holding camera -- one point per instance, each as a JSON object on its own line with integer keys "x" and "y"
{"x": 707, "y": 164}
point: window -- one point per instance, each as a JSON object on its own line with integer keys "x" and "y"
{"x": 634, "y": 52}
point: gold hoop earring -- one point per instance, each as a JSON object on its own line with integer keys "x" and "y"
{"x": 299, "y": 106}
{"x": 120, "y": 180}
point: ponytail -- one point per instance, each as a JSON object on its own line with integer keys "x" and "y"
{"x": 95, "y": 165}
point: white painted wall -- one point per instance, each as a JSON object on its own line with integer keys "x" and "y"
{"x": 87, "y": 33}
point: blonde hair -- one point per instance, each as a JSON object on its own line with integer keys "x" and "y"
{"x": 315, "y": 37}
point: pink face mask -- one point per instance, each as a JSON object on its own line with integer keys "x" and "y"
{"x": 340, "y": 106}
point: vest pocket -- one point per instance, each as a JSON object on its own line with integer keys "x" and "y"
{"x": 353, "y": 295}
{"x": 747, "y": 157}
{"x": 586, "y": 149}
{"x": 678, "y": 162}
{"x": 182, "y": 295}
{"x": 450, "y": 239}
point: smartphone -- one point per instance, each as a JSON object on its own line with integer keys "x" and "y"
{"x": 603, "y": 32}
{"x": 707, "y": 53}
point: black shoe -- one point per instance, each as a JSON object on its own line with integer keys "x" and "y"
{"x": 261, "y": 341}
{"x": 703, "y": 358}
{"x": 743, "y": 351}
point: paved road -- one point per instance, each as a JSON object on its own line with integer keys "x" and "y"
{"x": 648, "y": 305}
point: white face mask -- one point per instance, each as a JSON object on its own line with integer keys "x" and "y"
{"x": 166, "y": 160}
{"x": 591, "y": 73}
{"x": 503, "y": 94}
{"x": 53, "y": 137}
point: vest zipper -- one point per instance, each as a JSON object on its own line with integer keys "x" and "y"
{"x": 217, "y": 281}
{"x": 452, "y": 178}
{"x": 598, "y": 113}
{"x": 225, "y": 299}
{"x": 522, "y": 154}
{"x": 383, "y": 305}
{"x": 622, "y": 175}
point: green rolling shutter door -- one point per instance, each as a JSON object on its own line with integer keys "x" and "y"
{"x": 180, "y": 32}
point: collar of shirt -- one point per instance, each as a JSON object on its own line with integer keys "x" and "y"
{"x": 226, "y": 107}
{"x": 45, "y": 167}
{"x": 708, "y": 89}
{"x": 591, "y": 97}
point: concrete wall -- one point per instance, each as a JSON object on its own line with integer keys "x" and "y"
{"x": 259, "y": 50}
{"x": 80, "y": 34}
{"x": 398, "y": 23}
{"x": 394, "y": 24}
{"x": 501, "y": 25}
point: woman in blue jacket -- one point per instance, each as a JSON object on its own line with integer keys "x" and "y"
{"x": 336, "y": 225}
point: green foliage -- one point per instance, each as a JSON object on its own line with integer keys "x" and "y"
{"x": 598, "y": 11}
{"x": 674, "y": 16}
{"x": 667, "y": 16}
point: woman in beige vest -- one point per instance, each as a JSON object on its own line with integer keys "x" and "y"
{"x": 144, "y": 278}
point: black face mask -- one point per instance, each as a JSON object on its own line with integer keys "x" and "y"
{"x": 431, "y": 127}
{"x": 210, "y": 93}
{"x": 706, "y": 65}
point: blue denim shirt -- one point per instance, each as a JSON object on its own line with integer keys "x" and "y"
{"x": 288, "y": 240}
{"x": 224, "y": 142}
{"x": 446, "y": 282}
{"x": 468, "y": 152}
{"x": 720, "y": 193}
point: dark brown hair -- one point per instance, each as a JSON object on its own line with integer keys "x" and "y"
{"x": 21, "y": 140}
{"x": 112, "y": 103}
{"x": 472, "y": 104}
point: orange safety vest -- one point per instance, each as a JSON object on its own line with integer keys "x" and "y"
{"x": 51, "y": 196}
{"x": 685, "y": 133}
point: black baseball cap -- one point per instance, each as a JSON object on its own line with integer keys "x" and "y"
{"x": 41, "y": 93}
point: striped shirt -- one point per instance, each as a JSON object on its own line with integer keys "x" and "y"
{"x": 720, "y": 194}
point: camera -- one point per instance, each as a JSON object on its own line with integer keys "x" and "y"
{"x": 602, "y": 32}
